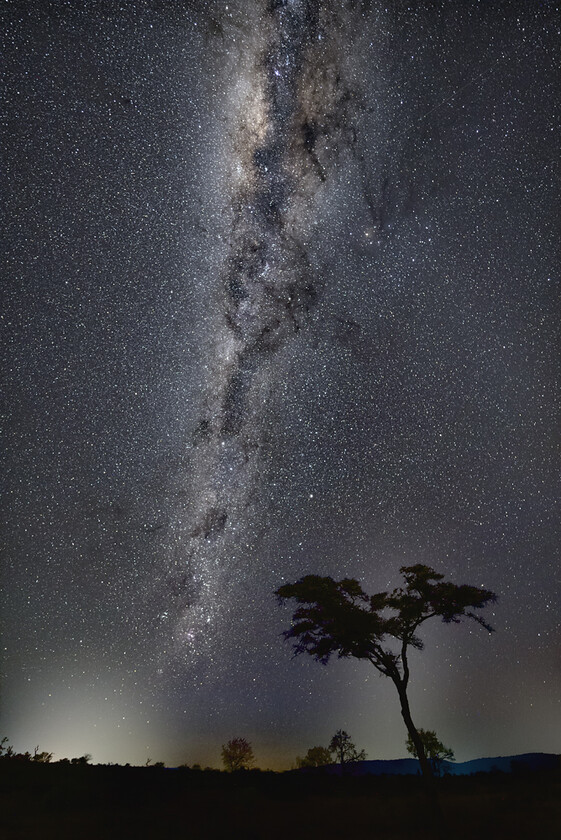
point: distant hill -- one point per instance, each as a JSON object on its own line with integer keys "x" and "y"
{"x": 410, "y": 766}
{"x": 506, "y": 764}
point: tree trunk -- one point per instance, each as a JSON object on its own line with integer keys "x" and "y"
{"x": 435, "y": 811}
{"x": 426, "y": 768}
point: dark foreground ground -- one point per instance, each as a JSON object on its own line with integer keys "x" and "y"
{"x": 57, "y": 801}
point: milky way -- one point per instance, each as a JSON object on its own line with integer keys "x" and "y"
{"x": 287, "y": 128}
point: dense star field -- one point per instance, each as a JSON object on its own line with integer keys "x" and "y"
{"x": 282, "y": 296}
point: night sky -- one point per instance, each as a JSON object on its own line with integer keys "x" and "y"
{"x": 281, "y": 296}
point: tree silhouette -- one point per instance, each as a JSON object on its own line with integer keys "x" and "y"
{"x": 315, "y": 757}
{"x": 82, "y": 760}
{"x": 237, "y": 754}
{"x": 435, "y": 750}
{"x": 339, "y": 617}
{"x": 344, "y": 749}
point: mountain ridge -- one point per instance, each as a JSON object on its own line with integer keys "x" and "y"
{"x": 410, "y": 766}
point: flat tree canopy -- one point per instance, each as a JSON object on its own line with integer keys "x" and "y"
{"x": 338, "y": 617}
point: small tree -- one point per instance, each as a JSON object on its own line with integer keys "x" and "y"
{"x": 237, "y": 754}
{"x": 315, "y": 757}
{"x": 435, "y": 750}
{"x": 344, "y": 749}
{"x": 339, "y": 617}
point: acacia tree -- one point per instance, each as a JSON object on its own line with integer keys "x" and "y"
{"x": 339, "y": 617}
{"x": 237, "y": 754}
{"x": 435, "y": 750}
